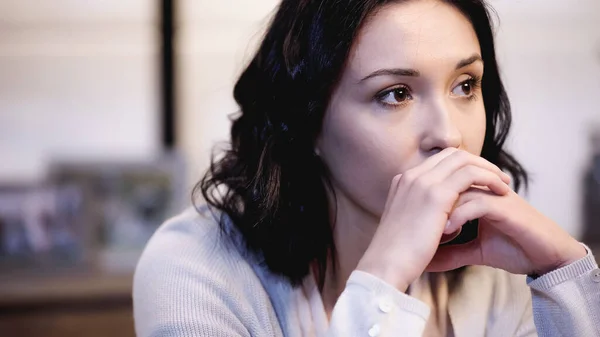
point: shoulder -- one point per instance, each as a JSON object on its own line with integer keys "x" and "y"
{"x": 192, "y": 235}
{"x": 189, "y": 245}
{"x": 192, "y": 280}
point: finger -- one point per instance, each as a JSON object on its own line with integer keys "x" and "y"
{"x": 467, "y": 176}
{"x": 428, "y": 164}
{"x": 478, "y": 203}
{"x": 459, "y": 159}
{"x": 474, "y": 192}
{"x": 471, "y": 210}
{"x": 474, "y": 209}
{"x": 392, "y": 192}
{"x": 452, "y": 257}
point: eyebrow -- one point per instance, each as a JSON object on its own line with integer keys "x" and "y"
{"x": 415, "y": 73}
{"x": 463, "y": 63}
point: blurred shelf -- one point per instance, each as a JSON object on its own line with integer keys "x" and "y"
{"x": 64, "y": 289}
{"x": 113, "y": 322}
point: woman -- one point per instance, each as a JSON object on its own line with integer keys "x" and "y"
{"x": 369, "y": 133}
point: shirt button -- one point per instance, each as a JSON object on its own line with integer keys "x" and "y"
{"x": 374, "y": 331}
{"x": 385, "y": 306}
{"x": 596, "y": 276}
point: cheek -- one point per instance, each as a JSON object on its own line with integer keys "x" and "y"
{"x": 473, "y": 132}
{"x": 363, "y": 154}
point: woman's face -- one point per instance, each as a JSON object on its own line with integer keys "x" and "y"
{"x": 411, "y": 87}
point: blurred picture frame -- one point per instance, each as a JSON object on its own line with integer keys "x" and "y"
{"x": 41, "y": 227}
{"x": 125, "y": 202}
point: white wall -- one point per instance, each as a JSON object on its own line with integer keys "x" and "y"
{"x": 77, "y": 80}
{"x": 549, "y": 52}
{"x": 215, "y": 39}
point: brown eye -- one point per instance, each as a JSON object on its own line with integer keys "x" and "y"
{"x": 400, "y": 94}
{"x": 465, "y": 88}
{"x": 395, "y": 96}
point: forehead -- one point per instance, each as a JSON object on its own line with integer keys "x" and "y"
{"x": 425, "y": 34}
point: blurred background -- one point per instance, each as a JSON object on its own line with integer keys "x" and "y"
{"x": 109, "y": 110}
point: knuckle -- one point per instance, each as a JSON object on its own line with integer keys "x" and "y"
{"x": 457, "y": 216}
{"x": 480, "y": 204}
{"x": 472, "y": 171}
{"x": 493, "y": 180}
{"x": 490, "y": 177}
{"x": 422, "y": 183}
{"x": 463, "y": 156}
{"x": 497, "y": 179}
{"x": 409, "y": 176}
{"x": 488, "y": 164}
{"x": 438, "y": 196}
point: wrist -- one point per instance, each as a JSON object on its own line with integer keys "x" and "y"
{"x": 392, "y": 275}
{"x": 576, "y": 252}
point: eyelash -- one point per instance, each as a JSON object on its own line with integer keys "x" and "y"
{"x": 474, "y": 81}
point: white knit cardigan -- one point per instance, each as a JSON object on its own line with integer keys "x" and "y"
{"x": 192, "y": 281}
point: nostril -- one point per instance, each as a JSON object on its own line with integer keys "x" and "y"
{"x": 436, "y": 150}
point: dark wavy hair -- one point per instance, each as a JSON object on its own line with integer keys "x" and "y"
{"x": 269, "y": 183}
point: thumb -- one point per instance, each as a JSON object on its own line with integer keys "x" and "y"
{"x": 452, "y": 257}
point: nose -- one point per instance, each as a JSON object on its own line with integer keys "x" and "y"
{"x": 439, "y": 131}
